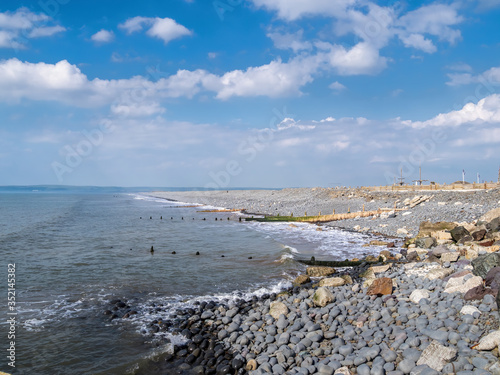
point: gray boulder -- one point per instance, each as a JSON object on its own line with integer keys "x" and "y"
{"x": 494, "y": 225}
{"x": 323, "y": 297}
{"x": 492, "y": 278}
{"x": 484, "y": 263}
{"x": 458, "y": 233}
{"x": 426, "y": 242}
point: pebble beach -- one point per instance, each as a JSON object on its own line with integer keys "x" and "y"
{"x": 459, "y": 206}
{"x": 428, "y": 307}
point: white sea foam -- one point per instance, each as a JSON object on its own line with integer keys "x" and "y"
{"x": 315, "y": 239}
{"x": 285, "y": 257}
{"x": 34, "y": 317}
{"x": 164, "y": 201}
{"x": 34, "y": 324}
{"x": 292, "y": 249}
{"x": 148, "y": 313}
{"x": 147, "y": 198}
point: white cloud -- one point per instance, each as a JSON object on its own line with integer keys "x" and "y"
{"x": 487, "y": 110}
{"x": 482, "y": 138}
{"x": 150, "y": 147}
{"x": 460, "y": 67}
{"x": 337, "y": 86}
{"x": 291, "y": 10}
{"x": 19, "y": 26}
{"x": 491, "y": 75}
{"x": 290, "y": 41}
{"x": 212, "y": 55}
{"x": 8, "y": 40}
{"x": 40, "y": 32}
{"x": 64, "y": 82}
{"x": 103, "y": 36}
{"x": 274, "y": 79}
{"x": 135, "y": 24}
{"x": 489, "y": 78}
{"x": 434, "y": 19}
{"x": 374, "y": 27}
{"x": 333, "y": 146}
{"x": 165, "y": 29}
{"x": 419, "y": 42}
{"x": 186, "y": 83}
{"x": 39, "y": 81}
{"x": 291, "y": 142}
{"x": 22, "y": 18}
{"x": 459, "y": 79}
{"x": 137, "y": 109}
{"x": 373, "y": 24}
{"x": 290, "y": 123}
{"x": 360, "y": 59}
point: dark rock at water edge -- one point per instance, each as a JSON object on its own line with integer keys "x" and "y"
{"x": 118, "y": 308}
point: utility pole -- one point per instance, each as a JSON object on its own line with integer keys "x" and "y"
{"x": 401, "y": 179}
{"x": 419, "y": 181}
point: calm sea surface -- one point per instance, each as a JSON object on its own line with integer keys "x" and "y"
{"x": 74, "y": 252}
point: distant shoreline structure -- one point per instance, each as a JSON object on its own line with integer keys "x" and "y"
{"x": 458, "y": 185}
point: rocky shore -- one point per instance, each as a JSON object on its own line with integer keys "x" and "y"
{"x": 429, "y": 308}
{"x": 413, "y": 207}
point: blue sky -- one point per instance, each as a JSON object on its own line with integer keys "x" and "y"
{"x": 242, "y": 93}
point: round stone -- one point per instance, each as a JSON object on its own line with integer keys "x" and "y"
{"x": 363, "y": 370}
{"x": 345, "y": 350}
{"x": 406, "y": 365}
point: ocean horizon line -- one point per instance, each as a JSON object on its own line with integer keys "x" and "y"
{"x": 118, "y": 189}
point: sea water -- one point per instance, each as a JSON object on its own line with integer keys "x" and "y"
{"x": 75, "y": 251}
